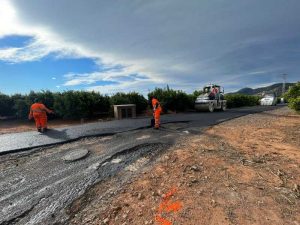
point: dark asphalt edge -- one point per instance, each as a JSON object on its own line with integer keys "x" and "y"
{"x": 79, "y": 138}
{"x": 114, "y": 133}
{"x": 65, "y": 141}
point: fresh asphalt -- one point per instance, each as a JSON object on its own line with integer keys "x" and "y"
{"x": 37, "y": 186}
{"x": 27, "y": 140}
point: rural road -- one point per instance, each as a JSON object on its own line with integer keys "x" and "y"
{"x": 28, "y": 140}
{"x": 37, "y": 185}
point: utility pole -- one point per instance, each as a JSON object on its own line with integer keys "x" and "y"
{"x": 284, "y": 77}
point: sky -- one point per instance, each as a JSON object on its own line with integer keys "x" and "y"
{"x": 137, "y": 45}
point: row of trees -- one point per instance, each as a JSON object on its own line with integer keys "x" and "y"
{"x": 69, "y": 104}
{"x": 240, "y": 100}
{"x": 83, "y": 104}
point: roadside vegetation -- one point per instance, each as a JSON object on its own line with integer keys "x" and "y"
{"x": 240, "y": 100}
{"x": 83, "y": 104}
{"x": 293, "y": 97}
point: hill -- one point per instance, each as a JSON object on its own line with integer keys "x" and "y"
{"x": 276, "y": 88}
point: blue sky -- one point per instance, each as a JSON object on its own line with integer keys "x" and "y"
{"x": 134, "y": 45}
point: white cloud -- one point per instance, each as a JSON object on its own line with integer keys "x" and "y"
{"x": 32, "y": 52}
{"x": 181, "y": 43}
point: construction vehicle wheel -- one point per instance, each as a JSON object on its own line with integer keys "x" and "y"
{"x": 211, "y": 107}
{"x": 224, "y": 107}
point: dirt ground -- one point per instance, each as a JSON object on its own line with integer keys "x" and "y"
{"x": 243, "y": 171}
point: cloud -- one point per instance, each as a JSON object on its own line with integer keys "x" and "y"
{"x": 31, "y": 52}
{"x": 110, "y": 80}
{"x": 181, "y": 43}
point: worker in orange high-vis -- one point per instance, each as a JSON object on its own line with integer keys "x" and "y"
{"x": 156, "y": 111}
{"x": 39, "y": 111}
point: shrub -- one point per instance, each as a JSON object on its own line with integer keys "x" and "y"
{"x": 130, "y": 98}
{"x": 293, "y": 97}
{"x": 47, "y": 97}
{"x": 174, "y": 100}
{"x": 6, "y": 105}
{"x": 295, "y": 103}
{"x": 80, "y": 104}
{"x": 240, "y": 100}
{"x": 21, "y": 105}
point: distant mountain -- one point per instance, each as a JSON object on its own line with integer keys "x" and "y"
{"x": 274, "y": 88}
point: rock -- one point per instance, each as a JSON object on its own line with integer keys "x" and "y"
{"x": 194, "y": 181}
{"x": 75, "y": 155}
{"x": 200, "y": 192}
{"x": 140, "y": 196}
{"x": 296, "y": 188}
{"x": 195, "y": 168}
{"x": 213, "y": 202}
{"x": 116, "y": 161}
{"x": 116, "y": 209}
{"x": 106, "y": 221}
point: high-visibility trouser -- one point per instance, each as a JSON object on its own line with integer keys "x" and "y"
{"x": 40, "y": 119}
{"x": 157, "y": 118}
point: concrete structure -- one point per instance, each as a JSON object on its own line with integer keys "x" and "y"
{"x": 125, "y": 111}
{"x": 76, "y": 155}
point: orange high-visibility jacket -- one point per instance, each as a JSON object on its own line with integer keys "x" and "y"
{"x": 215, "y": 90}
{"x": 156, "y": 105}
{"x": 38, "y": 109}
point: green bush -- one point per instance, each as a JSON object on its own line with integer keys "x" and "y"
{"x": 130, "y": 98}
{"x": 80, "y": 104}
{"x": 174, "y": 100}
{"x": 295, "y": 103}
{"x": 240, "y": 100}
{"x": 21, "y": 106}
{"x": 6, "y": 105}
{"x": 293, "y": 97}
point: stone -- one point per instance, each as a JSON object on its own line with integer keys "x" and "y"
{"x": 75, "y": 155}
{"x": 116, "y": 161}
{"x": 195, "y": 168}
{"x": 106, "y": 221}
{"x": 140, "y": 196}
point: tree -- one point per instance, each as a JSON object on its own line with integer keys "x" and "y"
{"x": 130, "y": 98}
{"x": 293, "y": 97}
{"x": 6, "y": 105}
{"x": 174, "y": 100}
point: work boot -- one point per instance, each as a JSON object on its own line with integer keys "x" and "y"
{"x": 44, "y": 129}
{"x": 39, "y": 129}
